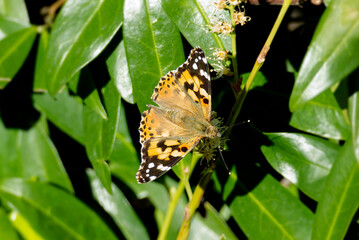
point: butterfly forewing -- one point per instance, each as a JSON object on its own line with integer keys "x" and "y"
{"x": 170, "y": 94}
{"x": 195, "y": 79}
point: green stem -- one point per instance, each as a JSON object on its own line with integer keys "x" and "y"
{"x": 257, "y": 65}
{"x": 196, "y": 200}
{"x": 234, "y": 45}
{"x": 174, "y": 198}
{"x": 188, "y": 188}
{"x": 207, "y": 173}
{"x": 170, "y": 211}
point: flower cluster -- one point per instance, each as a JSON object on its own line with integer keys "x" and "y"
{"x": 209, "y": 146}
{"x": 222, "y": 27}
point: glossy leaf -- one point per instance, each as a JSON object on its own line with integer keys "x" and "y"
{"x": 340, "y": 199}
{"x": 8, "y": 27}
{"x": 192, "y": 22}
{"x": 53, "y": 212}
{"x": 259, "y": 80}
{"x": 118, "y": 69}
{"x": 326, "y": 118}
{"x": 152, "y": 42}
{"x": 270, "y": 210}
{"x": 15, "y": 10}
{"x": 124, "y": 159}
{"x": 13, "y": 52}
{"x": 23, "y": 227}
{"x": 31, "y": 155}
{"x": 81, "y": 31}
{"x": 100, "y": 133}
{"x": 210, "y": 227}
{"x": 64, "y": 111}
{"x": 329, "y": 58}
{"x": 7, "y": 231}
{"x": 354, "y": 120}
{"x": 40, "y": 83}
{"x": 83, "y": 85}
{"x": 303, "y": 159}
{"x": 119, "y": 208}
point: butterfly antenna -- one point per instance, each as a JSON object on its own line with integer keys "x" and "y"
{"x": 220, "y": 153}
{"x": 246, "y": 121}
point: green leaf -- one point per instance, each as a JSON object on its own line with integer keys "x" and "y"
{"x": 303, "y": 159}
{"x": 13, "y": 52}
{"x": 326, "y": 118}
{"x": 124, "y": 159}
{"x": 64, "y": 111}
{"x": 119, "y": 208}
{"x": 230, "y": 183}
{"x": 7, "y": 231}
{"x": 270, "y": 210}
{"x": 23, "y": 227}
{"x": 210, "y": 227}
{"x": 83, "y": 85}
{"x": 100, "y": 133}
{"x": 40, "y": 82}
{"x": 31, "y": 154}
{"x": 53, "y": 213}
{"x": 330, "y": 57}
{"x": 192, "y": 22}
{"x": 118, "y": 69}
{"x": 340, "y": 199}
{"x": 353, "y": 107}
{"x": 81, "y": 31}
{"x": 183, "y": 168}
{"x": 259, "y": 80}
{"x": 8, "y": 27}
{"x": 152, "y": 42}
{"x": 15, "y": 10}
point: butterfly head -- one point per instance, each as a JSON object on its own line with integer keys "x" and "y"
{"x": 212, "y": 132}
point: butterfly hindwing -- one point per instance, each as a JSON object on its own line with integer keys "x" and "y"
{"x": 159, "y": 155}
{"x": 155, "y": 124}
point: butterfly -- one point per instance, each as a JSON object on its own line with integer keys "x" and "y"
{"x": 182, "y": 118}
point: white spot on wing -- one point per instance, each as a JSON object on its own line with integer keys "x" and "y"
{"x": 152, "y": 178}
{"x": 194, "y": 66}
{"x": 151, "y": 165}
{"x": 163, "y": 168}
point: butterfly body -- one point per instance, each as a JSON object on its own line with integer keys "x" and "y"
{"x": 183, "y": 117}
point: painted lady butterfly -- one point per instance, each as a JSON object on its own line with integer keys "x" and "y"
{"x": 173, "y": 129}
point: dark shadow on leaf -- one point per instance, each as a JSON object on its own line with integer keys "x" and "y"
{"x": 16, "y": 106}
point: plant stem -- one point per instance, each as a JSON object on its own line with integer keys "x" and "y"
{"x": 196, "y": 200}
{"x": 234, "y": 45}
{"x": 257, "y": 65}
{"x": 170, "y": 211}
{"x": 207, "y": 173}
{"x": 174, "y": 198}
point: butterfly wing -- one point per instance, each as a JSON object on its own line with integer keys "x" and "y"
{"x": 188, "y": 87}
{"x": 163, "y": 144}
{"x": 194, "y": 76}
{"x": 170, "y": 94}
{"x": 159, "y": 155}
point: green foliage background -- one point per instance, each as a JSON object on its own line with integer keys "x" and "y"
{"x": 70, "y": 102}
